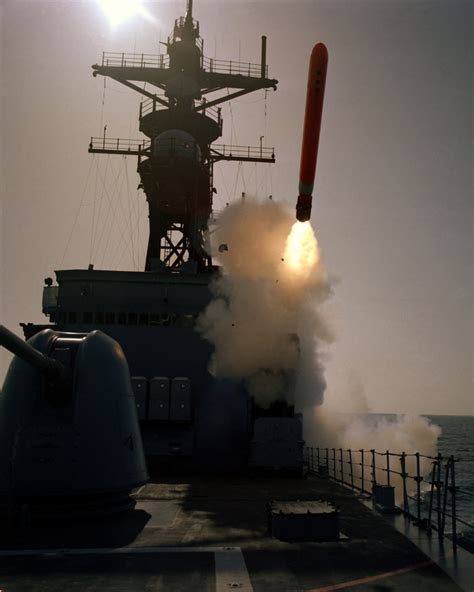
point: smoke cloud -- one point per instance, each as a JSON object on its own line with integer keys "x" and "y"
{"x": 264, "y": 321}
{"x": 266, "y": 325}
{"x": 395, "y": 433}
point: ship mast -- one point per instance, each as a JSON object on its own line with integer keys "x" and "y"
{"x": 189, "y": 11}
{"x": 175, "y": 163}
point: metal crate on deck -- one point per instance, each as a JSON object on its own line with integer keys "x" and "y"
{"x": 312, "y": 520}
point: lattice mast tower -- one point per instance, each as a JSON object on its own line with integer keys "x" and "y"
{"x": 176, "y": 162}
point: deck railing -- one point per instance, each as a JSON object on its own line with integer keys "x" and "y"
{"x": 249, "y": 152}
{"x": 135, "y": 60}
{"x": 430, "y": 498}
{"x": 106, "y": 145}
{"x": 233, "y": 67}
{"x": 151, "y": 105}
{"x": 118, "y": 145}
{"x": 162, "y": 61}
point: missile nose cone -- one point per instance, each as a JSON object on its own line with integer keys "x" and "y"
{"x": 321, "y": 50}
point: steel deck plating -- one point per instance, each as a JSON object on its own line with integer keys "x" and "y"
{"x": 210, "y": 533}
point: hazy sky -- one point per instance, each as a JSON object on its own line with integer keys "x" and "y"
{"x": 393, "y": 209}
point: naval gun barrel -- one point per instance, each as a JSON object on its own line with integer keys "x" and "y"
{"x": 52, "y": 368}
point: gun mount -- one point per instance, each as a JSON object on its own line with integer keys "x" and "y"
{"x": 68, "y": 424}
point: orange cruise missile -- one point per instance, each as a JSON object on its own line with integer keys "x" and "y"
{"x": 318, "y": 65}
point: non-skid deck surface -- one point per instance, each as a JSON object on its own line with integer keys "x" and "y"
{"x": 210, "y": 533}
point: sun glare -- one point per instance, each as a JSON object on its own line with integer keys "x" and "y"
{"x": 301, "y": 252}
{"x": 118, "y": 11}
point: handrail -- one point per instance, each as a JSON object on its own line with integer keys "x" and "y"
{"x": 227, "y": 150}
{"x": 162, "y": 61}
{"x": 119, "y": 144}
{"x": 142, "y": 147}
{"x": 181, "y": 23}
{"x": 357, "y": 468}
{"x": 135, "y": 60}
{"x": 150, "y": 106}
{"x": 232, "y": 67}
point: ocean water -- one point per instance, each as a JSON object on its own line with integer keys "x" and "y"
{"x": 457, "y": 439}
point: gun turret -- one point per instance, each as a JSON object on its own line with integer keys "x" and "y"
{"x": 49, "y": 366}
{"x": 68, "y": 425}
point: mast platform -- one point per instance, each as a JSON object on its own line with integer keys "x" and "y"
{"x": 218, "y": 152}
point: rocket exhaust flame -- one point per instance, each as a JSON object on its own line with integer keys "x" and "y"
{"x": 264, "y": 321}
{"x": 301, "y": 250}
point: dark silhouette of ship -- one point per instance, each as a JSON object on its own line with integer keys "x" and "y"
{"x": 120, "y": 373}
{"x": 182, "y": 409}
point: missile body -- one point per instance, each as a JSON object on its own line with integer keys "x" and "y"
{"x": 312, "y": 125}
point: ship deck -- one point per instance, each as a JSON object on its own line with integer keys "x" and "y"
{"x": 210, "y": 534}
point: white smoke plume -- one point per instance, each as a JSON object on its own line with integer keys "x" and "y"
{"x": 265, "y": 324}
{"x": 264, "y": 320}
{"x": 397, "y": 434}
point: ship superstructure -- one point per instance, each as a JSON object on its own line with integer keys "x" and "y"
{"x": 181, "y": 123}
{"x": 183, "y": 410}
